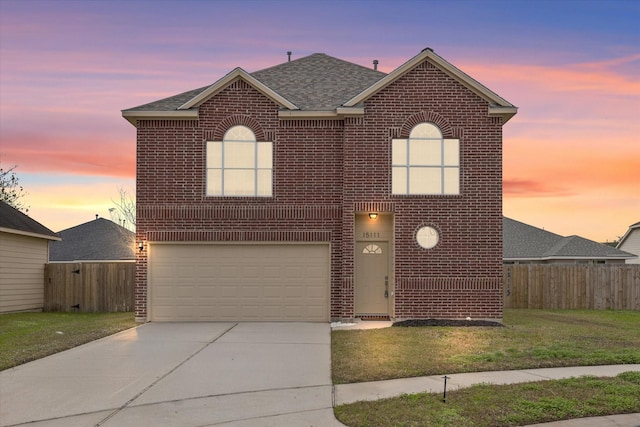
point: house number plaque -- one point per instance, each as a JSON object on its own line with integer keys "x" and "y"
{"x": 371, "y": 235}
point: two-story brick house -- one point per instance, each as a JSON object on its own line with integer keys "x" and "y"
{"x": 320, "y": 189}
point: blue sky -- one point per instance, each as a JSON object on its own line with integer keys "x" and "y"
{"x": 67, "y": 68}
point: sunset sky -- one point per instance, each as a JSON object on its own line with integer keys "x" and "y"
{"x": 571, "y": 154}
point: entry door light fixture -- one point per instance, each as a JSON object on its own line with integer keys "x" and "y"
{"x": 373, "y": 215}
{"x": 140, "y": 246}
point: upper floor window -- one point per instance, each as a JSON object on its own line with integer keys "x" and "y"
{"x": 426, "y": 163}
{"x": 239, "y": 165}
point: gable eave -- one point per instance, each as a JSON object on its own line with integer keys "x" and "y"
{"x": 498, "y": 106}
{"x": 338, "y": 113}
{"x": 235, "y": 74}
{"x": 569, "y": 257}
{"x": 133, "y": 116}
{"x": 29, "y": 234}
{"x": 630, "y": 230}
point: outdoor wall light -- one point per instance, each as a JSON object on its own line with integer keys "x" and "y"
{"x": 373, "y": 215}
{"x": 140, "y": 246}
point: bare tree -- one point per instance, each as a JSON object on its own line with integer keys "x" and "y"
{"x": 11, "y": 192}
{"x": 124, "y": 212}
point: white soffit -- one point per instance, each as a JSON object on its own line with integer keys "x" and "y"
{"x": 29, "y": 234}
{"x": 134, "y": 116}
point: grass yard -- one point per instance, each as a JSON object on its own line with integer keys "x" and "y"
{"x": 530, "y": 339}
{"x": 29, "y": 336}
{"x": 501, "y": 406}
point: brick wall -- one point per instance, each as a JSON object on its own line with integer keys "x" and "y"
{"x": 461, "y": 276}
{"x": 327, "y": 170}
{"x": 171, "y": 201}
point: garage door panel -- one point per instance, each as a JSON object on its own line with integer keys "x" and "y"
{"x": 226, "y": 291}
{"x": 271, "y": 272}
{"x": 293, "y": 292}
{"x": 271, "y": 291}
{"x": 315, "y": 292}
{"x": 266, "y": 282}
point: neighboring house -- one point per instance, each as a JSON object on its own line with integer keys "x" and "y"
{"x": 97, "y": 240}
{"x": 630, "y": 242}
{"x": 24, "y": 250}
{"x": 525, "y": 244}
{"x": 320, "y": 189}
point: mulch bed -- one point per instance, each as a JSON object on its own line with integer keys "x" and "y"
{"x": 446, "y": 322}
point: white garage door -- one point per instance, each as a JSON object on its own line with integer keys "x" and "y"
{"x": 239, "y": 282}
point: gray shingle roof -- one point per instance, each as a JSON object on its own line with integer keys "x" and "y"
{"x": 316, "y": 82}
{"x": 523, "y": 241}
{"x": 99, "y": 239}
{"x": 169, "y": 104}
{"x": 13, "y": 219}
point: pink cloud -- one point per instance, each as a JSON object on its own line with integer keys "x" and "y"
{"x": 515, "y": 187}
{"x": 95, "y": 155}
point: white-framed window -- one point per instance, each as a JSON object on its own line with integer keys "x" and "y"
{"x": 425, "y": 163}
{"x": 239, "y": 165}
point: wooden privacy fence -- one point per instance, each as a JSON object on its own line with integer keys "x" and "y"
{"x": 550, "y": 286}
{"x": 89, "y": 286}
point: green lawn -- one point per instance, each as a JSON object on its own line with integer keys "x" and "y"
{"x": 530, "y": 339}
{"x": 501, "y": 406}
{"x": 29, "y": 336}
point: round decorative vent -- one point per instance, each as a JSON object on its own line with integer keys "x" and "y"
{"x": 427, "y": 237}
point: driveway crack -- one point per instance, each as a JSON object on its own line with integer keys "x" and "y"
{"x": 157, "y": 380}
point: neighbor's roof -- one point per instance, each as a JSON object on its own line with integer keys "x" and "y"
{"x": 628, "y": 233}
{"x": 525, "y": 242}
{"x": 317, "y": 85}
{"x": 15, "y": 222}
{"x": 97, "y": 240}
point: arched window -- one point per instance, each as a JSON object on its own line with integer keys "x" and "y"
{"x": 425, "y": 163}
{"x": 372, "y": 250}
{"x": 239, "y": 165}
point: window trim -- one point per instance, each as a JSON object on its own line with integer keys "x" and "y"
{"x": 408, "y": 164}
{"x": 256, "y": 168}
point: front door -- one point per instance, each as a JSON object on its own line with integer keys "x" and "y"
{"x": 372, "y": 279}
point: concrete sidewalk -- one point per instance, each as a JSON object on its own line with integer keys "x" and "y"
{"x": 349, "y": 393}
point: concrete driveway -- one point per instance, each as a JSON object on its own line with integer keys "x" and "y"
{"x": 180, "y": 374}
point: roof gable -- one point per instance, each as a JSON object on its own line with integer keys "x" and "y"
{"x": 15, "y": 222}
{"x": 576, "y": 246}
{"x": 498, "y": 106}
{"x": 315, "y": 86}
{"x": 521, "y": 240}
{"x": 99, "y": 239}
{"x": 631, "y": 229}
{"x": 237, "y": 73}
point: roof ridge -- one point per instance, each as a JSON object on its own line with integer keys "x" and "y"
{"x": 317, "y": 54}
{"x": 558, "y": 245}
